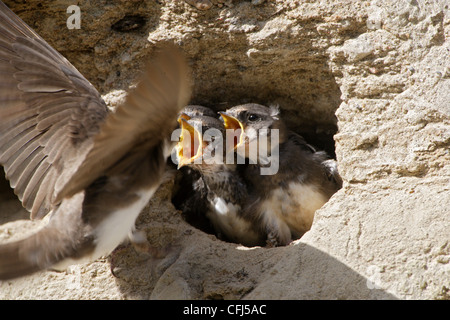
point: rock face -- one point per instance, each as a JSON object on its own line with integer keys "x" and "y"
{"x": 373, "y": 74}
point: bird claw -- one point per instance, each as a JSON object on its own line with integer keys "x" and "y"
{"x": 112, "y": 263}
{"x": 138, "y": 239}
{"x": 272, "y": 240}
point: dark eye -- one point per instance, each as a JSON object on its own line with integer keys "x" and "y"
{"x": 253, "y": 117}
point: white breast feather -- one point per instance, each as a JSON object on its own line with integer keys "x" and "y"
{"x": 292, "y": 211}
{"x": 226, "y": 220}
{"x": 113, "y": 230}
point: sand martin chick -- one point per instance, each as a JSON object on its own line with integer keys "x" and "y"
{"x": 223, "y": 192}
{"x": 282, "y": 201}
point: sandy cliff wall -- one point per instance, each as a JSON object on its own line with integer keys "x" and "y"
{"x": 373, "y": 74}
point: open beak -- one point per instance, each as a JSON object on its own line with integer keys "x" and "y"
{"x": 183, "y": 116}
{"x": 190, "y": 144}
{"x": 231, "y": 122}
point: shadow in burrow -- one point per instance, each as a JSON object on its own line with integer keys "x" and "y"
{"x": 301, "y": 85}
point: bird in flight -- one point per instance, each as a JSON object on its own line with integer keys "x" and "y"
{"x": 66, "y": 155}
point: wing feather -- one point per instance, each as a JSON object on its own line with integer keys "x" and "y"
{"x": 147, "y": 116}
{"x": 48, "y": 110}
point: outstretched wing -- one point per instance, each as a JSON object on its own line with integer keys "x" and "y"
{"x": 48, "y": 110}
{"x": 145, "y": 119}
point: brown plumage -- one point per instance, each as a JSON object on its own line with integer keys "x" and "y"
{"x": 283, "y": 203}
{"x": 219, "y": 191}
{"x": 64, "y": 153}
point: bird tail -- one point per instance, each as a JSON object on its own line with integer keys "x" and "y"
{"x": 40, "y": 251}
{"x": 61, "y": 238}
{"x": 26, "y": 256}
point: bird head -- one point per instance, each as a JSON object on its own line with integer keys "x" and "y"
{"x": 194, "y": 110}
{"x": 251, "y": 120}
{"x": 201, "y": 140}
